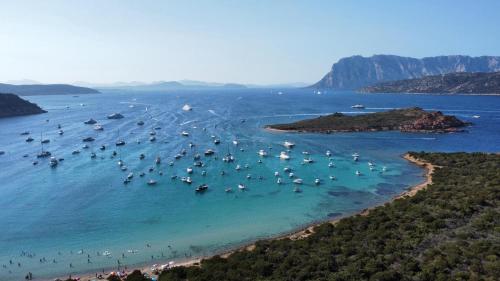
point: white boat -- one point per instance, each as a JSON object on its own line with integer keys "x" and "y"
{"x": 189, "y": 180}
{"x": 120, "y": 163}
{"x": 187, "y": 107}
{"x": 328, "y": 153}
{"x": 151, "y": 182}
{"x": 249, "y": 176}
{"x": 291, "y": 175}
{"x": 384, "y": 169}
{"x": 185, "y": 134}
{"x": 228, "y": 189}
{"x": 276, "y": 174}
{"x": 333, "y": 178}
{"x": 476, "y": 116}
{"x": 355, "y": 158}
{"x": 284, "y": 156}
{"x": 279, "y": 181}
{"x": 287, "y": 169}
{"x": 317, "y": 181}
{"x": 331, "y": 165}
{"x": 98, "y": 127}
{"x": 359, "y": 106}
{"x": 157, "y": 160}
{"x": 308, "y": 160}
{"x": 189, "y": 170}
{"x": 241, "y": 186}
{"x": 130, "y": 175}
{"x": 297, "y": 181}
{"x": 152, "y": 139}
{"x": 262, "y": 153}
{"x": 288, "y": 144}
{"x": 358, "y": 173}
{"x": 235, "y": 142}
{"x": 238, "y": 167}
{"x": 370, "y": 164}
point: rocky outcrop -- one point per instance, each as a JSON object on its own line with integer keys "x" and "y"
{"x": 356, "y": 72}
{"x": 464, "y": 83}
{"x": 405, "y": 120}
{"x": 12, "y": 105}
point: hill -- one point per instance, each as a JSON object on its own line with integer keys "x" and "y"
{"x": 48, "y": 89}
{"x": 464, "y": 83}
{"x": 12, "y": 105}
{"x": 406, "y": 120}
{"x": 356, "y": 72}
{"x": 448, "y": 231}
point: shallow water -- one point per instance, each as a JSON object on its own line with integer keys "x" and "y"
{"x": 82, "y": 208}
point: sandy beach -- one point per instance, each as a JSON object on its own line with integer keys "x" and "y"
{"x": 295, "y": 235}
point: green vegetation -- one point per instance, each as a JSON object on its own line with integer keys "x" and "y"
{"x": 450, "y": 231}
{"x": 412, "y": 119}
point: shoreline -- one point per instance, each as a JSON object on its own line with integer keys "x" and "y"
{"x": 296, "y": 234}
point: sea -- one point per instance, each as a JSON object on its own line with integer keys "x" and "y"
{"x": 80, "y": 216}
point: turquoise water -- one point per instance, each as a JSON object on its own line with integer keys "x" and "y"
{"x": 82, "y": 208}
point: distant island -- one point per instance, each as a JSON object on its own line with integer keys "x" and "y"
{"x": 405, "y": 120}
{"x": 356, "y": 72}
{"x": 173, "y": 85}
{"x": 451, "y": 83}
{"x": 12, "y": 105}
{"x": 45, "y": 89}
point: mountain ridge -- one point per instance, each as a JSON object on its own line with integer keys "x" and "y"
{"x": 357, "y": 71}
{"x": 45, "y": 89}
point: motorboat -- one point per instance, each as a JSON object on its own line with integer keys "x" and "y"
{"x": 88, "y": 139}
{"x": 185, "y": 134}
{"x": 305, "y": 152}
{"x": 142, "y": 174}
{"x": 158, "y": 160}
{"x": 476, "y": 116}
{"x": 140, "y": 123}
{"x": 262, "y": 153}
{"x": 75, "y": 152}
{"x": 120, "y": 163}
{"x": 98, "y": 127}
{"x": 29, "y": 139}
{"x": 235, "y": 142}
{"x": 203, "y": 173}
{"x": 328, "y": 153}
{"x": 216, "y": 141}
{"x": 90, "y": 122}
{"x": 284, "y": 156}
{"x": 238, "y": 167}
{"x": 152, "y": 133}
{"x": 358, "y": 173}
{"x": 384, "y": 169}
{"x": 276, "y": 174}
{"x": 308, "y": 160}
{"x": 130, "y": 175}
{"x": 120, "y": 143}
{"x": 187, "y": 107}
{"x": 358, "y": 106}
{"x": 189, "y": 180}
{"x": 151, "y": 182}
{"x": 287, "y": 169}
{"x": 209, "y": 152}
{"x": 279, "y": 181}
{"x": 103, "y": 147}
{"x": 333, "y": 178}
{"x": 85, "y": 146}
{"x": 152, "y": 139}
{"x": 288, "y": 144}
{"x": 115, "y": 116}
{"x": 142, "y": 156}
{"x": 25, "y": 133}
{"x": 249, "y": 176}
{"x": 228, "y": 189}
{"x": 45, "y": 141}
{"x": 60, "y": 132}
{"x": 201, "y": 188}
{"x": 189, "y": 170}
{"x": 331, "y": 165}
{"x": 178, "y": 156}
{"x": 317, "y": 181}
{"x": 53, "y": 162}
{"x": 191, "y": 145}
{"x": 291, "y": 175}
{"x": 297, "y": 181}
{"x": 241, "y": 186}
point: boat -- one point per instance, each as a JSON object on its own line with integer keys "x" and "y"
{"x": 201, "y": 188}
{"x": 279, "y": 181}
{"x": 358, "y": 173}
{"x": 120, "y": 163}
{"x": 331, "y": 165}
{"x": 98, "y": 127}
{"x": 178, "y": 156}
{"x": 249, "y": 176}
{"x": 262, "y": 153}
{"x": 216, "y": 141}
{"x": 152, "y": 139}
{"x": 43, "y": 153}
{"x": 358, "y": 106}
{"x": 291, "y": 175}
{"x": 333, "y": 178}
{"x": 88, "y": 139}
{"x": 191, "y": 145}
{"x": 75, "y": 152}
{"x": 140, "y": 123}
{"x": 187, "y": 107}
{"x": 276, "y": 174}
{"x": 238, "y": 167}
{"x": 142, "y": 174}
{"x": 241, "y": 186}
{"x": 53, "y": 162}
{"x": 476, "y": 116}
{"x": 151, "y": 182}
{"x": 29, "y": 139}
{"x": 209, "y": 152}
{"x": 60, "y": 132}
{"x": 120, "y": 143}
{"x": 142, "y": 156}
{"x": 25, "y": 133}
{"x": 103, "y": 147}
{"x": 45, "y": 141}
{"x": 297, "y": 181}
{"x": 305, "y": 152}
{"x": 384, "y": 169}
{"x": 115, "y": 116}
{"x": 152, "y": 133}
{"x": 85, "y": 146}
{"x": 130, "y": 175}
{"x": 287, "y": 169}
{"x": 317, "y": 181}
{"x": 189, "y": 170}
{"x": 284, "y": 156}
{"x": 228, "y": 158}
{"x": 370, "y": 164}
{"x": 93, "y": 155}
{"x": 235, "y": 142}
{"x": 328, "y": 153}
{"x": 189, "y": 180}
{"x": 203, "y": 173}
{"x": 288, "y": 144}
{"x": 185, "y": 134}
{"x": 158, "y": 160}
{"x": 308, "y": 160}
{"x": 90, "y": 122}
{"x": 297, "y": 189}
{"x": 228, "y": 189}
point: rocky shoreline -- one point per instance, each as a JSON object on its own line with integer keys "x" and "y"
{"x": 12, "y": 105}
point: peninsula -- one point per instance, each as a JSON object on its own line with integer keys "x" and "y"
{"x": 452, "y": 83}
{"x": 412, "y": 119}
{"x": 12, "y": 105}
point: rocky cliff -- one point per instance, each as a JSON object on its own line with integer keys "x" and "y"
{"x": 357, "y": 71}
{"x": 465, "y": 83}
{"x": 12, "y": 105}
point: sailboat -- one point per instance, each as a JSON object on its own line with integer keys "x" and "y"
{"x": 43, "y": 153}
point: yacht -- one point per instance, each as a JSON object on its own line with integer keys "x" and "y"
{"x": 88, "y": 139}
{"x": 151, "y": 182}
{"x": 75, "y": 152}
{"x": 358, "y": 106}
{"x": 235, "y": 142}
{"x": 90, "y": 122}
{"x": 328, "y": 153}
{"x": 358, "y": 173}
{"x": 189, "y": 170}
{"x": 331, "y": 165}
{"x": 279, "y": 181}
{"x": 185, "y": 134}
{"x": 228, "y": 189}
{"x": 288, "y": 144}
{"x": 297, "y": 181}
{"x": 187, "y": 107}
{"x": 262, "y": 153}
{"x": 308, "y": 160}
{"x": 201, "y": 188}
{"x": 29, "y": 139}
{"x": 53, "y": 162}
{"x": 317, "y": 181}
{"x": 98, "y": 127}
{"x": 140, "y": 123}
{"x": 152, "y": 139}
{"x": 284, "y": 156}
{"x": 189, "y": 180}
{"x": 120, "y": 143}
{"x": 276, "y": 174}
{"x": 142, "y": 156}
{"x": 291, "y": 175}
{"x": 158, "y": 160}
{"x": 238, "y": 167}
{"x": 241, "y": 186}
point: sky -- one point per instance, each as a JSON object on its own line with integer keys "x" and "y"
{"x": 245, "y": 41}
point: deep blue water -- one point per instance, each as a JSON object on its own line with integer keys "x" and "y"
{"x": 83, "y": 205}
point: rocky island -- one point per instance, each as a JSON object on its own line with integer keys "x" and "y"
{"x": 452, "y": 83}
{"x": 412, "y": 119}
{"x": 12, "y": 105}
